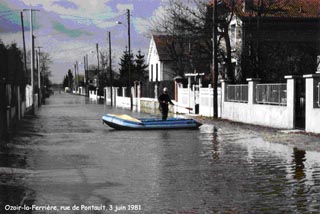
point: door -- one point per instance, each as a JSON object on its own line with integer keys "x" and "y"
{"x": 300, "y": 105}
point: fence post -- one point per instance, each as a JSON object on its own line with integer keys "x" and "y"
{"x": 139, "y": 97}
{"x": 115, "y": 95}
{"x": 19, "y": 102}
{"x": 224, "y": 84}
{"x": 291, "y": 94}
{"x": 156, "y": 91}
{"x": 312, "y": 81}
{"x": 252, "y": 82}
{"x": 124, "y": 91}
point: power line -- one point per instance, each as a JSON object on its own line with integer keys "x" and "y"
{"x": 80, "y": 17}
{"x": 52, "y": 34}
{"x": 9, "y": 14}
{"x": 10, "y": 11}
{"x": 71, "y": 49}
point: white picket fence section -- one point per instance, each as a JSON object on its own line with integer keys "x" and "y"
{"x": 278, "y": 111}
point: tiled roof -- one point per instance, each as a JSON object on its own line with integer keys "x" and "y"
{"x": 277, "y": 8}
{"x": 162, "y": 42}
{"x": 169, "y": 46}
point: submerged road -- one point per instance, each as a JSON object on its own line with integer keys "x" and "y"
{"x": 63, "y": 160}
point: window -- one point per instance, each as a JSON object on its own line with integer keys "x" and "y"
{"x": 151, "y": 73}
{"x": 233, "y": 36}
{"x": 157, "y": 75}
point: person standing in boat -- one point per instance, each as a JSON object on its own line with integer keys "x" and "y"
{"x": 164, "y": 101}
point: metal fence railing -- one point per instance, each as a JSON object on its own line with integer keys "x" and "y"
{"x": 237, "y": 93}
{"x": 318, "y": 94}
{"x": 271, "y": 94}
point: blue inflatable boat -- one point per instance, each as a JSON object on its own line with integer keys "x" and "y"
{"x": 126, "y": 122}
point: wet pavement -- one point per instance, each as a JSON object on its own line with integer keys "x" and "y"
{"x": 63, "y": 158}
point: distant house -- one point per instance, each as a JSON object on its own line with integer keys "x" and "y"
{"x": 170, "y": 56}
{"x": 92, "y": 79}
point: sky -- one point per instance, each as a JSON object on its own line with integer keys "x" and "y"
{"x": 70, "y": 29}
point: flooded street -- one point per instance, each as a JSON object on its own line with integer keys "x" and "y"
{"x": 64, "y": 158}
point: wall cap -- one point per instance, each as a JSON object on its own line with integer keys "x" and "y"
{"x": 224, "y": 80}
{"x": 293, "y": 77}
{"x": 311, "y": 75}
{"x": 253, "y": 79}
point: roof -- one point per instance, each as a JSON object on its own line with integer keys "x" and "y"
{"x": 275, "y": 8}
{"x": 169, "y": 46}
{"x": 162, "y": 43}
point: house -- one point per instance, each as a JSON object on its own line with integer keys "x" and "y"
{"x": 170, "y": 56}
{"x": 279, "y": 38}
{"x": 270, "y": 38}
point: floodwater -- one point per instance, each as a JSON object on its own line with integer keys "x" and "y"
{"x": 64, "y": 158}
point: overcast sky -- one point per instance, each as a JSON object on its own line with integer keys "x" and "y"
{"x": 69, "y": 29}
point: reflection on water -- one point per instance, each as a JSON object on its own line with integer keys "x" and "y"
{"x": 298, "y": 165}
{"x": 94, "y": 101}
{"x": 272, "y": 178}
{"x": 15, "y": 196}
{"x": 12, "y": 175}
{"x": 66, "y": 156}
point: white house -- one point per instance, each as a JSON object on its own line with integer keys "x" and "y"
{"x": 170, "y": 56}
{"x": 159, "y": 59}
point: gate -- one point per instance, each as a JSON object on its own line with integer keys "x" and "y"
{"x": 300, "y": 105}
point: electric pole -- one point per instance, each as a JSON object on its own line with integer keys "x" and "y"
{"x": 75, "y": 76}
{"x": 129, "y": 65}
{"x": 24, "y": 46}
{"x": 97, "y": 47}
{"x": 110, "y": 68}
{"x": 87, "y": 80}
{"x": 215, "y": 61}
{"x": 32, "y": 56}
{"x": 85, "y": 70}
{"x": 39, "y": 76}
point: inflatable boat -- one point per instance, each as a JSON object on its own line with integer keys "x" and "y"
{"x": 126, "y": 122}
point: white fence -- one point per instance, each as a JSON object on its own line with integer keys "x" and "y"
{"x": 260, "y": 114}
{"x": 186, "y": 98}
{"x": 200, "y": 100}
{"x": 93, "y": 94}
{"x": 28, "y": 96}
{"x": 270, "y": 105}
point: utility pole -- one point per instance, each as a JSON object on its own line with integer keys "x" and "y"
{"x": 215, "y": 61}
{"x": 75, "y": 76}
{"x": 33, "y": 72}
{"x": 110, "y": 69}
{"x": 129, "y": 66}
{"x": 87, "y": 79}
{"x": 97, "y": 47}
{"x": 24, "y": 45}
{"x": 32, "y": 56}
{"x": 85, "y": 70}
{"x": 39, "y": 76}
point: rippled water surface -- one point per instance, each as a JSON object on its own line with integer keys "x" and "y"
{"x": 65, "y": 156}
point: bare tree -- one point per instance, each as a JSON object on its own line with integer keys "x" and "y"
{"x": 187, "y": 20}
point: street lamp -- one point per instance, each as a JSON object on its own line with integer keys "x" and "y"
{"x": 129, "y": 48}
